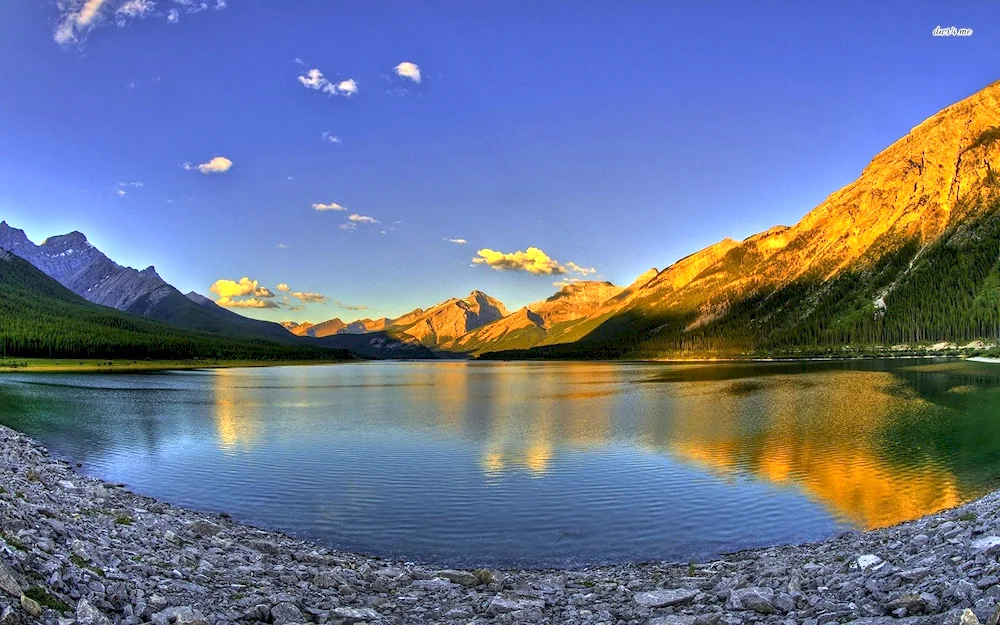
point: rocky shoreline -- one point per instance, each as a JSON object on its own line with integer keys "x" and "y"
{"x": 76, "y": 550}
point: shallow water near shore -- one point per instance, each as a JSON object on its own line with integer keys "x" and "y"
{"x": 536, "y": 464}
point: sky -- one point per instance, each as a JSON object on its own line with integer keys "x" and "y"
{"x": 361, "y": 159}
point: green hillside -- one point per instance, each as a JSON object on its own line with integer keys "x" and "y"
{"x": 39, "y": 318}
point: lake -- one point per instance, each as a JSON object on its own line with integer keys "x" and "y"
{"x": 535, "y": 464}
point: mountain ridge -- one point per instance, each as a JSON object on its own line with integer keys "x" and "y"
{"x": 82, "y": 268}
{"x": 934, "y": 189}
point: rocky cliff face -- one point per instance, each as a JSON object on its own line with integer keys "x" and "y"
{"x": 448, "y": 320}
{"x": 531, "y": 325}
{"x": 574, "y": 301}
{"x": 83, "y": 269}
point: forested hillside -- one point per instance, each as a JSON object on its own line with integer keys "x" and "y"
{"x": 41, "y": 318}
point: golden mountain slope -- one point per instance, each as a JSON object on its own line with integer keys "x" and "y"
{"x": 915, "y": 189}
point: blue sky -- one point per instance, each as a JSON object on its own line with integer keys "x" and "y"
{"x": 613, "y": 136}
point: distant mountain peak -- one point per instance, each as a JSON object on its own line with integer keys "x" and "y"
{"x": 75, "y": 238}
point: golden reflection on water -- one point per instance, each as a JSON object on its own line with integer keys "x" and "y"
{"x": 532, "y": 415}
{"x": 237, "y": 422}
{"x": 817, "y": 432}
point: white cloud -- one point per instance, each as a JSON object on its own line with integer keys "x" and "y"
{"x": 283, "y": 246}
{"x": 314, "y": 79}
{"x": 457, "y": 241}
{"x": 79, "y": 17}
{"x": 362, "y": 219}
{"x": 133, "y": 9}
{"x": 332, "y": 206}
{"x": 345, "y": 87}
{"x": 332, "y": 138}
{"x": 583, "y": 271}
{"x": 533, "y": 261}
{"x": 348, "y": 226}
{"x": 121, "y": 193}
{"x": 408, "y": 70}
{"x": 218, "y": 165}
{"x": 284, "y": 288}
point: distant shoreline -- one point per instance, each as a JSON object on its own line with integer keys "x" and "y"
{"x": 83, "y": 365}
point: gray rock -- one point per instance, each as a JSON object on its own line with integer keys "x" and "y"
{"x": 8, "y": 583}
{"x": 756, "y": 599}
{"x": 87, "y": 614}
{"x": 988, "y": 545}
{"x": 185, "y": 615}
{"x": 205, "y": 528}
{"x": 326, "y": 579}
{"x": 672, "y": 619}
{"x": 665, "y": 597}
{"x": 433, "y": 584}
{"x": 462, "y": 578}
{"x": 869, "y": 561}
{"x": 9, "y": 617}
{"x": 285, "y": 613}
{"x": 502, "y": 605}
{"x": 994, "y": 618}
{"x": 356, "y": 615}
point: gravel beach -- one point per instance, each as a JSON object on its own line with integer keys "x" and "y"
{"x": 74, "y": 549}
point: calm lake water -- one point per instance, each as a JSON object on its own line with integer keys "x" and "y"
{"x": 535, "y": 464}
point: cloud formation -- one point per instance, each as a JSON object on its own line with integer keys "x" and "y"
{"x": 218, "y": 165}
{"x": 79, "y": 17}
{"x": 362, "y": 219}
{"x": 133, "y": 9}
{"x": 315, "y": 80}
{"x": 533, "y": 261}
{"x": 242, "y": 288}
{"x": 332, "y": 138}
{"x": 408, "y": 70}
{"x": 350, "y": 307}
{"x": 457, "y": 241}
{"x": 284, "y": 288}
{"x": 253, "y": 302}
{"x": 309, "y": 298}
{"x": 332, "y": 206}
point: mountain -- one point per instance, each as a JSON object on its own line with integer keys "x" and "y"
{"x": 530, "y": 325}
{"x": 82, "y": 268}
{"x": 432, "y": 328}
{"x": 906, "y": 253}
{"x": 41, "y": 318}
{"x": 450, "y": 319}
